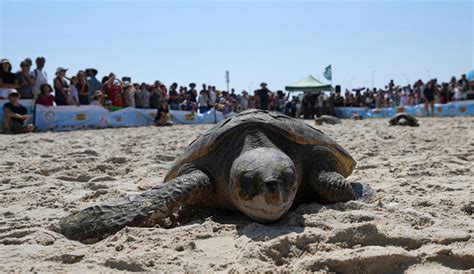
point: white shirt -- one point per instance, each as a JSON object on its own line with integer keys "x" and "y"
{"x": 202, "y": 101}
{"x": 212, "y": 97}
{"x": 457, "y": 93}
{"x": 41, "y": 77}
{"x": 74, "y": 94}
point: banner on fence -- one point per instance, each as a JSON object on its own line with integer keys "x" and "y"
{"x": 461, "y": 108}
{"x": 82, "y": 117}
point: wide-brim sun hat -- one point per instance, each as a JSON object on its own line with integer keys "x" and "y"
{"x": 59, "y": 69}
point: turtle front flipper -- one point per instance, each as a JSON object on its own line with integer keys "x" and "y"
{"x": 96, "y": 222}
{"x": 333, "y": 188}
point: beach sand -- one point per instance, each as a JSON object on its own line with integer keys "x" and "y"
{"x": 420, "y": 220}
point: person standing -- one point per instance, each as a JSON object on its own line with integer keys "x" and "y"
{"x": 203, "y": 101}
{"x": 173, "y": 99}
{"x": 429, "y": 97}
{"x": 73, "y": 98}
{"x": 113, "y": 86}
{"x": 143, "y": 97}
{"x": 41, "y": 77}
{"x": 93, "y": 84}
{"x": 129, "y": 94}
{"x": 244, "y": 100}
{"x": 82, "y": 88}
{"x": 61, "y": 87}
{"x": 192, "y": 95}
{"x": 8, "y": 80}
{"x": 263, "y": 96}
{"x": 27, "y": 81}
{"x": 155, "y": 96}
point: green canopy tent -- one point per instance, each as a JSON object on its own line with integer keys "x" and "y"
{"x": 308, "y": 84}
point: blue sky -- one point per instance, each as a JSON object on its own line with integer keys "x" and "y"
{"x": 278, "y": 42}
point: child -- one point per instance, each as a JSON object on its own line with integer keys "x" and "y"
{"x": 44, "y": 97}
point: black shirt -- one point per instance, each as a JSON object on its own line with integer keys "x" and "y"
{"x": 83, "y": 99}
{"x": 60, "y": 99}
{"x": 8, "y": 77}
{"x": 192, "y": 95}
{"x": 429, "y": 94}
{"x": 263, "y": 94}
{"x": 173, "y": 93}
{"x": 16, "y": 109}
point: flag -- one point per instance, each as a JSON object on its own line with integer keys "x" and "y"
{"x": 328, "y": 73}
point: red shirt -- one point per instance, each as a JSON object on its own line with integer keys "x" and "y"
{"x": 114, "y": 94}
{"x": 45, "y": 100}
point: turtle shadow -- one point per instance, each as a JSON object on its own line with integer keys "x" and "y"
{"x": 291, "y": 222}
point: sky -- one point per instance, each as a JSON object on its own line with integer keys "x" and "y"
{"x": 278, "y": 42}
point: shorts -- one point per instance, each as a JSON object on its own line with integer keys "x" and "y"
{"x": 16, "y": 128}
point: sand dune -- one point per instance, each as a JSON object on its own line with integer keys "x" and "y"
{"x": 420, "y": 221}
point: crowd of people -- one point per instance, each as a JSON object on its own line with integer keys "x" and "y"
{"x": 420, "y": 93}
{"x": 112, "y": 92}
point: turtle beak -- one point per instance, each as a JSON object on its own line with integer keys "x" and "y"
{"x": 272, "y": 196}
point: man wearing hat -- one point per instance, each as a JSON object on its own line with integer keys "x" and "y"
{"x": 92, "y": 82}
{"x": 263, "y": 96}
{"x": 8, "y": 80}
{"x": 15, "y": 115}
{"x": 192, "y": 93}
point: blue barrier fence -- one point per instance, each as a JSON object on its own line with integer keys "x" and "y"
{"x": 458, "y": 108}
{"x": 61, "y": 118}
{"x": 73, "y": 117}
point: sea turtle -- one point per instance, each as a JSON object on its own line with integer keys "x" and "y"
{"x": 326, "y": 119}
{"x": 257, "y": 162}
{"x": 403, "y": 119}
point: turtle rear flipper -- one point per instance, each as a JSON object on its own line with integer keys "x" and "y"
{"x": 96, "y": 222}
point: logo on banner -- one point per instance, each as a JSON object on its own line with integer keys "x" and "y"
{"x": 49, "y": 116}
{"x": 400, "y": 109}
{"x": 81, "y": 116}
{"x": 189, "y": 117}
{"x": 462, "y": 109}
{"x": 118, "y": 118}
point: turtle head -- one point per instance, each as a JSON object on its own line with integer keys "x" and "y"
{"x": 263, "y": 183}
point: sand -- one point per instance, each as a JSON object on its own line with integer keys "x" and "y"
{"x": 420, "y": 220}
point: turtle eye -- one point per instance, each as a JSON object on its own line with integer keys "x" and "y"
{"x": 287, "y": 176}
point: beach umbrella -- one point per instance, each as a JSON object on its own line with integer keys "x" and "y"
{"x": 470, "y": 75}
